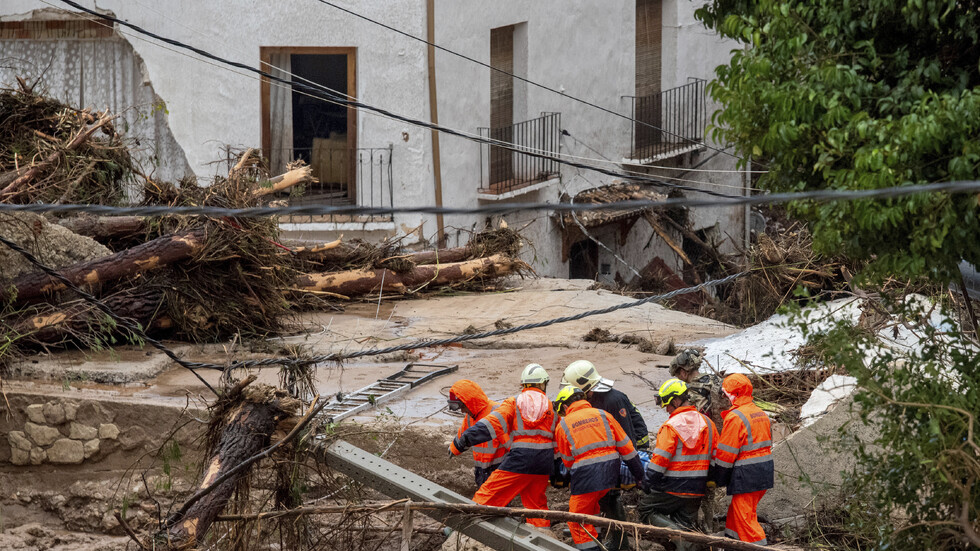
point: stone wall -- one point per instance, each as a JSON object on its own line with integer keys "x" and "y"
{"x": 72, "y": 431}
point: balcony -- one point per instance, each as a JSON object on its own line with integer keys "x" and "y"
{"x": 507, "y": 172}
{"x": 668, "y": 124}
{"x": 372, "y": 183}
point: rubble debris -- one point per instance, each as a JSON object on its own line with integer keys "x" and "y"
{"x": 242, "y": 423}
{"x": 663, "y": 347}
{"x": 53, "y": 153}
{"x": 50, "y": 243}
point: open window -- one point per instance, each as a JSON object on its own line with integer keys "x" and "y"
{"x": 296, "y": 125}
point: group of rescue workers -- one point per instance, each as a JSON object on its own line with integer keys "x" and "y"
{"x": 593, "y": 440}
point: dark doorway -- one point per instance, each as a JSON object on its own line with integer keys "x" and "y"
{"x": 319, "y": 127}
{"x": 583, "y": 260}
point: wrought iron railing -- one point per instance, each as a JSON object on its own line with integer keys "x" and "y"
{"x": 373, "y": 184}
{"x": 668, "y": 122}
{"x": 504, "y": 169}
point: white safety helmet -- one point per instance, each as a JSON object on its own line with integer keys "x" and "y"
{"x": 534, "y": 374}
{"x": 581, "y": 374}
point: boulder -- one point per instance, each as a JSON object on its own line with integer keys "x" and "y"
{"x": 108, "y": 431}
{"x": 19, "y": 457}
{"x": 41, "y": 435}
{"x": 78, "y": 431}
{"x": 54, "y": 245}
{"x": 35, "y": 413}
{"x": 91, "y": 447}
{"x": 18, "y": 440}
{"x": 67, "y": 452}
{"x": 54, "y": 413}
{"x": 811, "y": 462}
{"x": 38, "y": 455}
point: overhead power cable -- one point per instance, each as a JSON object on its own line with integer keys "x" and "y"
{"x": 822, "y": 196}
{"x": 129, "y": 324}
{"x": 335, "y": 96}
{"x": 520, "y": 78}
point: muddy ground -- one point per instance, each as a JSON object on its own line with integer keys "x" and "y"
{"x": 69, "y": 507}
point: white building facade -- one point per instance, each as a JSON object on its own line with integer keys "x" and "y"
{"x": 643, "y": 59}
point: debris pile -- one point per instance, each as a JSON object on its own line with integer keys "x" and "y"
{"x": 198, "y": 278}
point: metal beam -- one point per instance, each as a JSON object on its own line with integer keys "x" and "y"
{"x": 503, "y": 534}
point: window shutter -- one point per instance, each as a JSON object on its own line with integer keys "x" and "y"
{"x": 649, "y": 33}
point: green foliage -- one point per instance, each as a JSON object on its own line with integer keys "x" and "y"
{"x": 860, "y": 94}
{"x": 918, "y": 486}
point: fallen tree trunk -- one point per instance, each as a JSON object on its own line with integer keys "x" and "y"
{"x": 103, "y": 228}
{"x": 473, "y": 509}
{"x": 441, "y": 256}
{"x": 245, "y": 430}
{"x": 89, "y": 275}
{"x": 361, "y": 282}
{"x": 84, "y": 320}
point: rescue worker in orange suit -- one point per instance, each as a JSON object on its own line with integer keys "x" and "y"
{"x": 583, "y": 374}
{"x": 591, "y": 444}
{"x": 467, "y": 397}
{"x": 743, "y": 460}
{"x": 677, "y": 475}
{"x": 528, "y": 421}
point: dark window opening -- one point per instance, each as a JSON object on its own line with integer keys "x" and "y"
{"x": 320, "y": 128}
{"x": 583, "y": 260}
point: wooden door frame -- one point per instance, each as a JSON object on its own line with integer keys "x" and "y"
{"x": 265, "y": 54}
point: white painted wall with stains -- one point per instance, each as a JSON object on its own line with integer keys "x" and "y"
{"x": 582, "y": 47}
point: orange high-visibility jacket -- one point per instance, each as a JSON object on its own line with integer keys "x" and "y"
{"x": 491, "y": 453}
{"x": 591, "y": 444}
{"x": 743, "y": 459}
{"x": 682, "y": 455}
{"x": 529, "y": 421}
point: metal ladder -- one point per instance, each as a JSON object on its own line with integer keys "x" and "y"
{"x": 382, "y": 390}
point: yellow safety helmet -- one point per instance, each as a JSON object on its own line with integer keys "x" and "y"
{"x": 566, "y": 395}
{"x": 672, "y": 388}
{"x": 534, "y": 374}
{"x": 581, "y": 374}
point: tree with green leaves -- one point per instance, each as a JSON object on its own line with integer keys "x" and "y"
{"x": 860, "y": 94}
{"x": 867, "y": 94}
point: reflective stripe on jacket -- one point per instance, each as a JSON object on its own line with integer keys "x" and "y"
{"x": 591, "y": 444}
{"x": 625, "y": 413}
{"x": 682, "y": 455}
{"x": 743, "y": 460}
{"x": 487, "y": 454}
{"x": 531, "y": 442}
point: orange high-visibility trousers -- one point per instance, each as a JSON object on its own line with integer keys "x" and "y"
{"x": 503, "y": 486}
{"x": 587, "y": 504}
{"x": 742, "y": 522}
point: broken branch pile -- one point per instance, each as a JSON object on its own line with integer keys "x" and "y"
{"x": 201, "y": 278}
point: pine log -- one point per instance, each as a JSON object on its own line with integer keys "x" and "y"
{"x": 245, "y": 431}
{"x": 292, "y": 178}
{"x": 361, "y": 282}
{"x": 89, "y": 275}
{"x": 81, "y": 318}
{"x": 442, "y": 256}
{"x": 104, "y": 228}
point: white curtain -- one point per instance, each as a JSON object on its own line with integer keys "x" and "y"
{"x": 103, "y": 74}
{"x": 281, "y": 115}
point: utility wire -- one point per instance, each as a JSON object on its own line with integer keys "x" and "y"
{"x": 522, "y": 79}
{"x": 334, "y": 96}
{"x": 194, "y": 366}
{"x": 821, "y": 196}
{"x": 125, "y": 322}
{"x": 464, "y": 338}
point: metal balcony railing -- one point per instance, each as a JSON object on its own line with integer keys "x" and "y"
{"x": 373, "y": 184}
{"x": 669, "y": 122}
{"x": 503, "y": 169}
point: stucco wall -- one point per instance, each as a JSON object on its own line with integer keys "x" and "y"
{"x": 581, "y": 47}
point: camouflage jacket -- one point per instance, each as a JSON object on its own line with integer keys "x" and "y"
{"x": 704, "y": 393}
